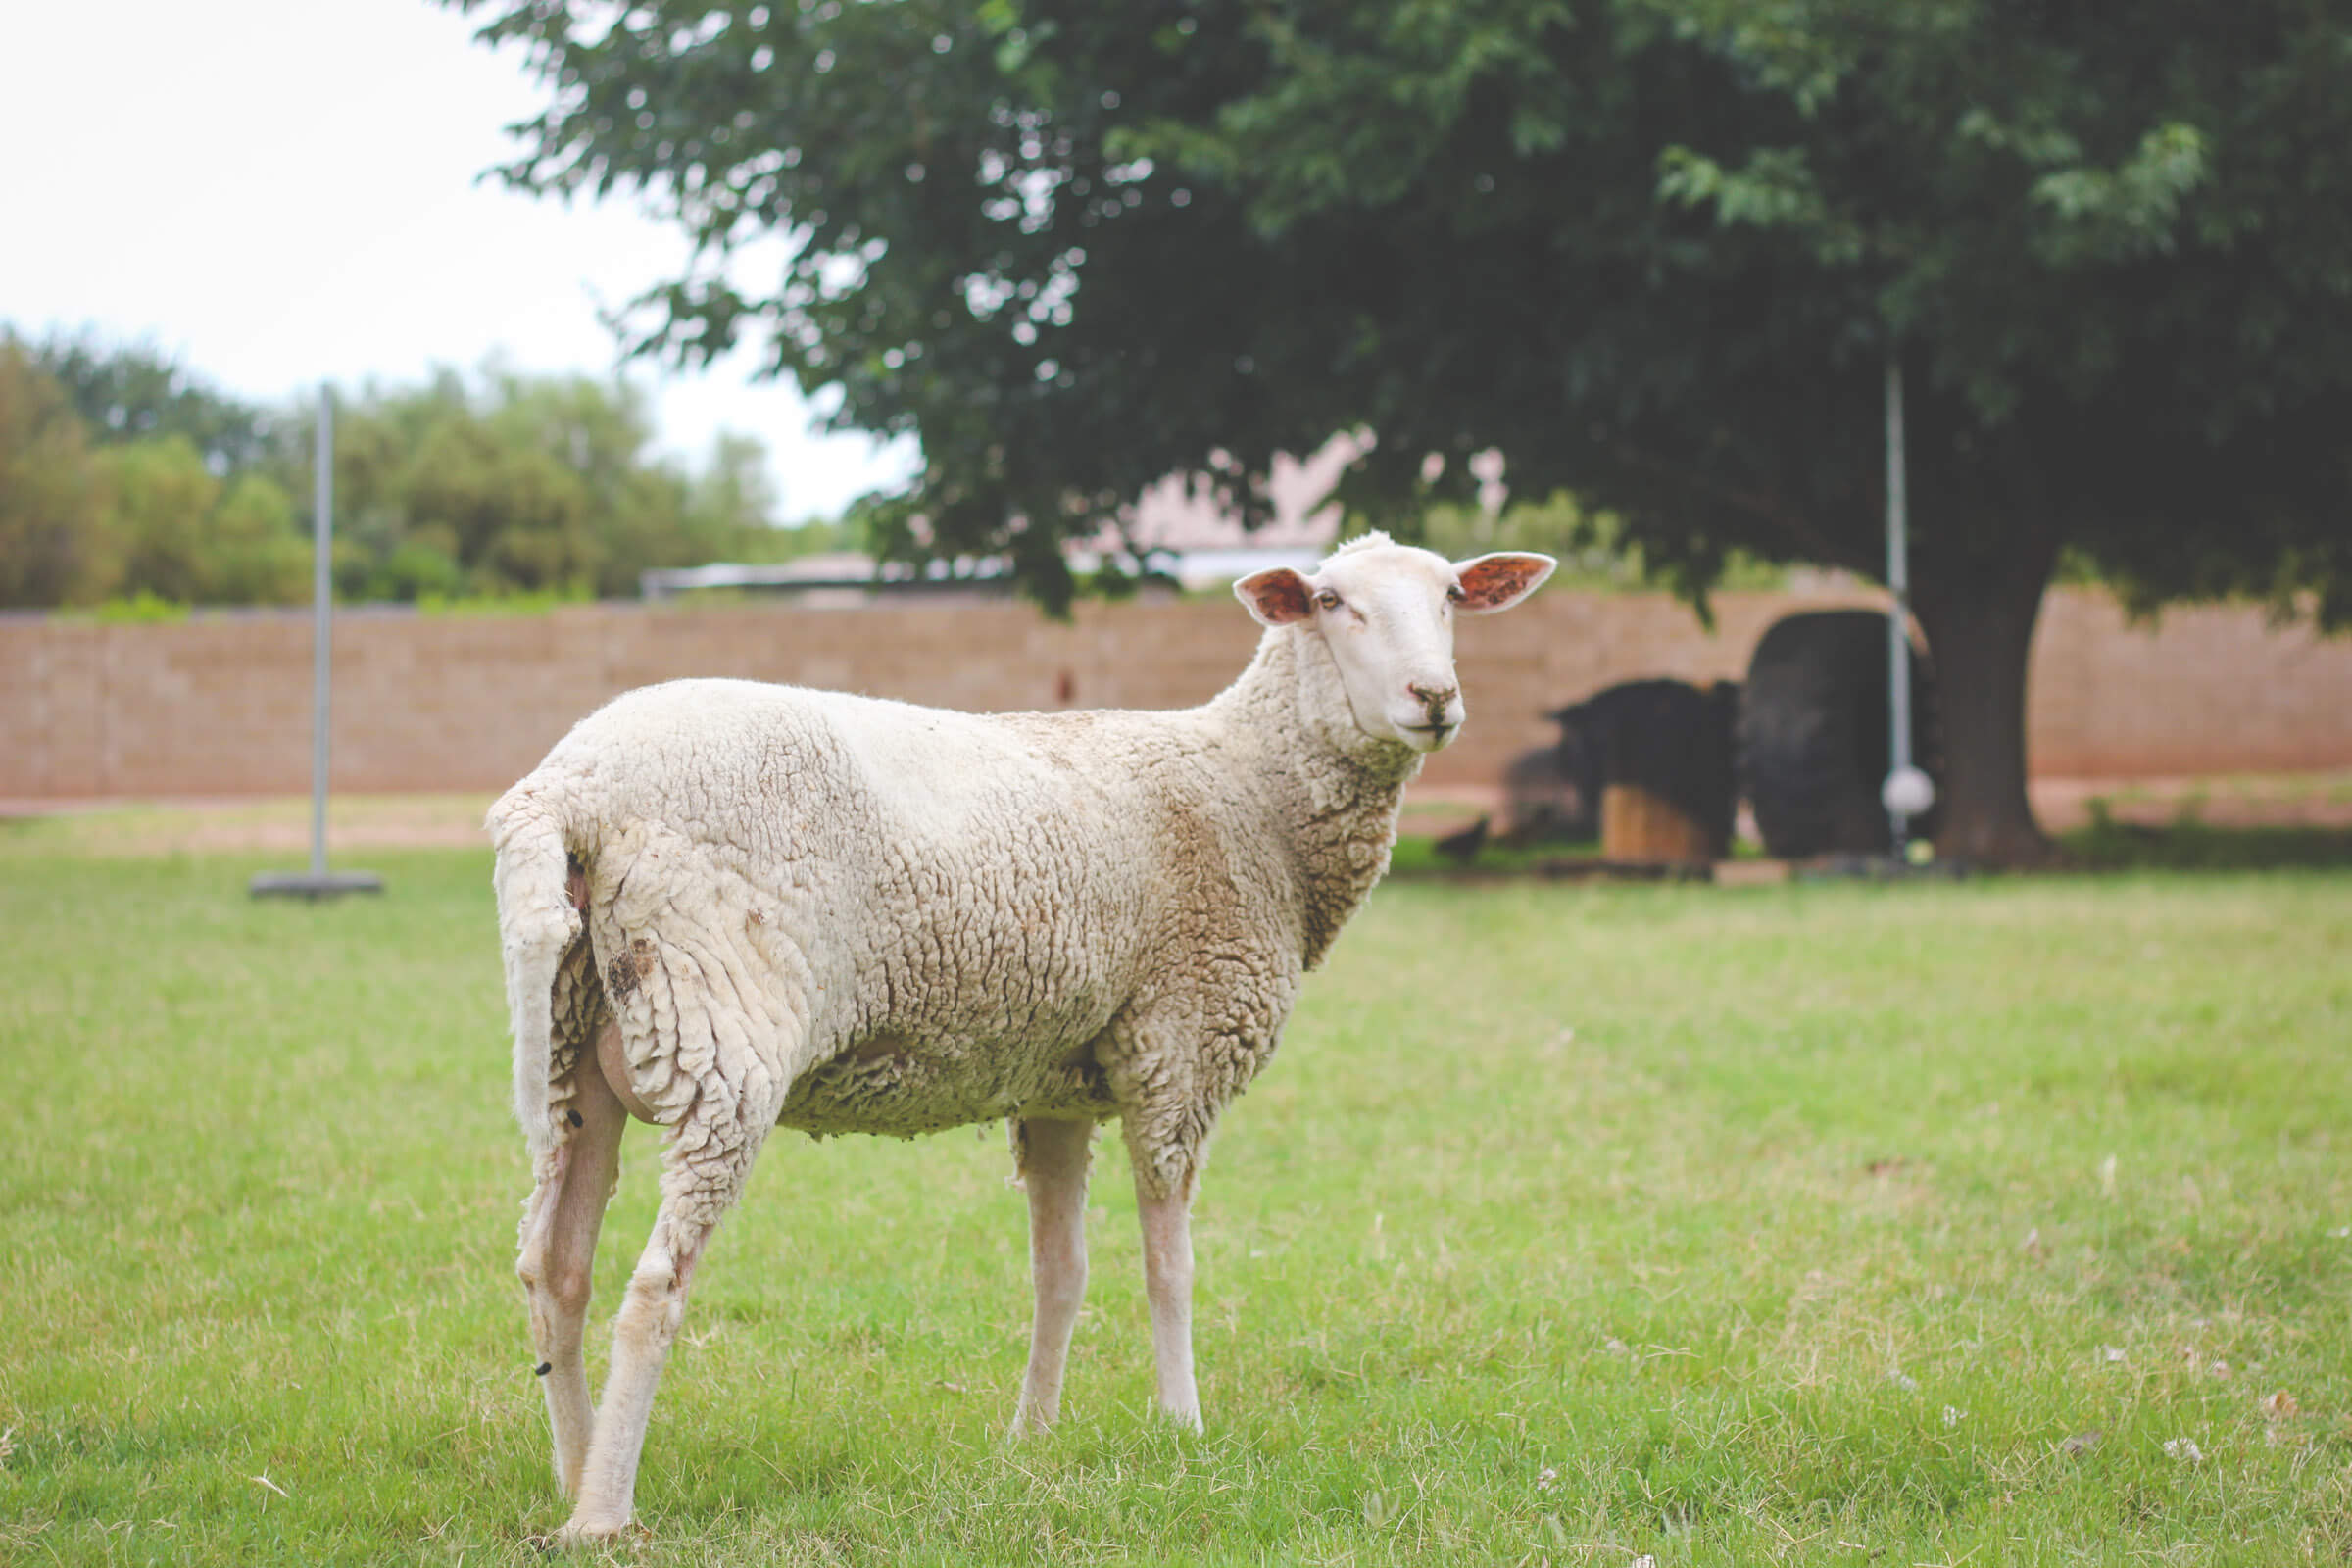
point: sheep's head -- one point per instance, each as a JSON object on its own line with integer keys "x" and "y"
{"x": 1386, "y": 612}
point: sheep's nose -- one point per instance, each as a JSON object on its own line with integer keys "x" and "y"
{"x": 1432, "y": 698}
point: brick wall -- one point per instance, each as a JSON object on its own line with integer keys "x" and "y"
{"x": 220, "y": 704}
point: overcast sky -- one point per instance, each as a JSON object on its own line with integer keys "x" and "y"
{"x": 281, "y": 192}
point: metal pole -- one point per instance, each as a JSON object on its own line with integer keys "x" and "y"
{"x": 322, "y": 530}
{"x": 1898, "y": 581}
{"x": 320, "y": 883}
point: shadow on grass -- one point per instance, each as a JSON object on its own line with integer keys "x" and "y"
{"x": 2190, "y": 844}
{"x": 2187, "y": 843}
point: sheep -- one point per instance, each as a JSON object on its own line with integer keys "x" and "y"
{"x": 727, "y": 907}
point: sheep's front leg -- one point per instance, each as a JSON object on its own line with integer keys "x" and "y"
{"x": 1167, "y": 1219}
{"x": 704, "y": 1164}
{"x": 1052, "y": 1158}
{"x": 559, "y": 1256}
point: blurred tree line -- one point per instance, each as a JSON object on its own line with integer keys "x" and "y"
{"x": 122, "y": 476}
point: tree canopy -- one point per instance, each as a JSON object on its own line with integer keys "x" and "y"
{"x": 125, "y": 476}
{"x": 1658, "y": 252}
{"x": 52, "y": 536}
{"x": 131, "y": 391}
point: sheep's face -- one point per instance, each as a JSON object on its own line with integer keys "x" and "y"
{"x": 1386, "y": 614}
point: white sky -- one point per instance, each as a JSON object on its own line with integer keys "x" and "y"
{"x": 281, "y": 192}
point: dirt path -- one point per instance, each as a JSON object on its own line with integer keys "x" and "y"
{"x": 227, "y": 826}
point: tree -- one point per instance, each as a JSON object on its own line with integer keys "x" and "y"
{"x": 53, "y": 549}
{"x": 2086, "y": 237}
{"x": 257, "y": 552}
{"x": 132, "y": 391}
{"x": 122, "y": 473}
{"x": 1658, "y": 251}
{"x": 159, "y": 500}
{"x": 639, "y": 510}
{"x": 505, "y": 482}
{"x": 92, "y": 512}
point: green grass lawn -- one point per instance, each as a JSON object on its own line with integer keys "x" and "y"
{"x": 1818, "y": 1224}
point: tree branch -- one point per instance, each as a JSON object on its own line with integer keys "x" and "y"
{"x": 1808, "y": 540}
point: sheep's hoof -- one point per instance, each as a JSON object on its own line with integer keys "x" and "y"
{"x": 580, "y": 1532}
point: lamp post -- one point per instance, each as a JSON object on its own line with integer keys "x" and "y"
{"x": 1907, "y": 792}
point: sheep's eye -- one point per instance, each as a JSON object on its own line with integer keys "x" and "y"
{"x": 1328, "y": 600}
{"x": 1455, "y": 593}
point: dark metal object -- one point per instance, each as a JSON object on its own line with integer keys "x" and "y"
{"x": 1813, "y": 735}
{"x": 1665, "y": 738}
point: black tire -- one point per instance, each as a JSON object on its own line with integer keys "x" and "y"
{"x": 1813, "y": 732}
{"x": 1546, "y": 802}
{"x": 1666, "y": 738}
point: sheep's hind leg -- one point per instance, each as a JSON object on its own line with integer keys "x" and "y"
{"x": 704, "y": 1162}
{"x": 559, "y": 1254}
{"x": 1052, "y": 1158}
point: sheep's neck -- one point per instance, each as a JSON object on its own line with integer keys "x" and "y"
{"x": 1336, "y": 792}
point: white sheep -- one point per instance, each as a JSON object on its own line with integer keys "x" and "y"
{"x": 727, "y": 907}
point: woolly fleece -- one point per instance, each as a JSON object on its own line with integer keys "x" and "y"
{"x": 845, "y": 914}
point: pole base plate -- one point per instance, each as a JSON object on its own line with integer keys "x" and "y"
{"x": 313, "y": 887}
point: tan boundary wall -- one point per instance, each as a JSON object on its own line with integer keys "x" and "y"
{"x": 220, "y": 704}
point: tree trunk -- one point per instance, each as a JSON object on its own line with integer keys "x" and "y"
{"x": 1979, "y": 632}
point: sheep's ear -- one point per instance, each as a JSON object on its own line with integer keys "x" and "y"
{"x": 1276, "y": 596}
{"x": 1501, "y": 580}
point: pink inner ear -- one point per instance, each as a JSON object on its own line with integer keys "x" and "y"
{"x": 1277, "y": 596}
{"x": 1495, "y": 582}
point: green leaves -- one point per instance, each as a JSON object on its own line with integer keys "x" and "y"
{"x": 2127, "y": 212}
{"x": 1800, "y": 50}
{"x": 53, "y": 545}
{"x": 134, "y": 478}
{"x": 113, "y": 487}
{"x": 1774, "y": 190}
{"x": 1654, "y": 250}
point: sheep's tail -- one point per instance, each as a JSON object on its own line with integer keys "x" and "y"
{"x": 537, "y": 925}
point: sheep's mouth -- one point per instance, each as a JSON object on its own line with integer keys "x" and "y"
{"x": 1438, "y": 734}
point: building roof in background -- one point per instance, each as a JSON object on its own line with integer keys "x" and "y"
{"x": 1184, "y": 536}
{"x": 849, "y": 577}
{"x": 1167, "y": 517}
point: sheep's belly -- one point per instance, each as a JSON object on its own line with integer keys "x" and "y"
{"x": 886, "y": 1085}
